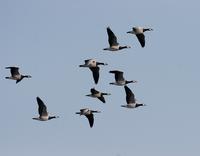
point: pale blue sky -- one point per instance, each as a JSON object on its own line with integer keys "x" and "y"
{"x": 48, "y": 39}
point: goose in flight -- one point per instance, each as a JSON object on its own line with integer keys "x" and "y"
{"x": 97, "y": 94}
{"x": 89, "y": 114}
{"x": 92, "y": 64}
{"x": 139, "y": 32}
{"x": 130, "y": 99}
{"x": 42, "y": 110}
{"x": 15, "y": 75}
{"x": 119, "y": 79}
{"x": 112, "y": 39}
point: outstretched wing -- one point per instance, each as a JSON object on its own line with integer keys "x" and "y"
{"x": 95, "y": 73}
{"x": 102, "y": 99}
{"x": 118, "y": 75}
{"x": 130, "y": 97}
{"x": 141, "y": 39}
{"x": 13, "y": 70}
{"x": 90, "y": 118}
{"x": 94, "y": 91}
{"x": 42, "y": 109}
{"x": 112, "y": 39}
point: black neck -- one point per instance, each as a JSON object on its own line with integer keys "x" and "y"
{"x": 24, "y": 76}
{"x": 147, "y": 29}
{"x": 105, "y": 94}
{"x": 52, "y": 117}
{"x": 122, "y": 47}
{"x": 139, "y": 104}
{"x": 129, "y": 82}
{"x": 100, "y": 63}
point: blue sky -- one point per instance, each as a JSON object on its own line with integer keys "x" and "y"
{"x": 48, "y": 39}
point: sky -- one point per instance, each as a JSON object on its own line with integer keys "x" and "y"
{"x": 49, "y": 39}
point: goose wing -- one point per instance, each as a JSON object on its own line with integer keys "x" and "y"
{"x": 42, "y": 109}
{"x": 94, "y": 91}
{"x": 90, "y": 118}
{"x": 130, "y": 97}
{"x": 141, "y": 39}
{"x": 118, "y": 75}
{"x": 95, "y": 73}
{"x": 101, "y": 98}
{"x": 87, "y": 61}
{"x": 112, "y": 39}
{"x": 13, "y": 70}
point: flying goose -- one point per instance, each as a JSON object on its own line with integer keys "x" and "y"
{"x": 93, "y": 65}
{"x": 15, "y": 75}
{"x": 42, "y": 110}
{"x": 139, "y": 32}
{"x": 112, "y": 39}
{"x": 89, "y": 114}
{"x": 119, "y": 79}
{"x": 130, "y": 99}
{"x": 97, "y": 94}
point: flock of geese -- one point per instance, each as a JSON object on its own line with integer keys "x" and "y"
{"x": 93, "y": 65}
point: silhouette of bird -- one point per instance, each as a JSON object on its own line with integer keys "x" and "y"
{"x": 42, "y": 110}
{"x": 139, "y": 32}
{"x": 89, "y": 114}
{"x": 130, "y": 99}
{"x": 112, "y": 39}
{"x": 92, "y": 64}
{"x": 119, "y": 79}
{"x": 15, "y": 75}
{"x": 97, "y": 94}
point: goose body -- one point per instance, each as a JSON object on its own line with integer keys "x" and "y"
{"x": 119, "y": 78}
{"x": 112, "y": 39}
{"x": 97, "y": 94}
{"x": 92, "y": 64}
{"x": 89, "y": 115}
{"x": 130, "y": 99}
{"x": 139, "y": 32}
{"x": 42, "y": 110}
{"x": 15, "y": 75}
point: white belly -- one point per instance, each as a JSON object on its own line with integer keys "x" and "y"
{"x": 120, "y": 83}
{"x": 139, "y": 30}
{"x": 114, "y": 48}
{"x": 44, "y": 118}
{"x": 97, "y": 95}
